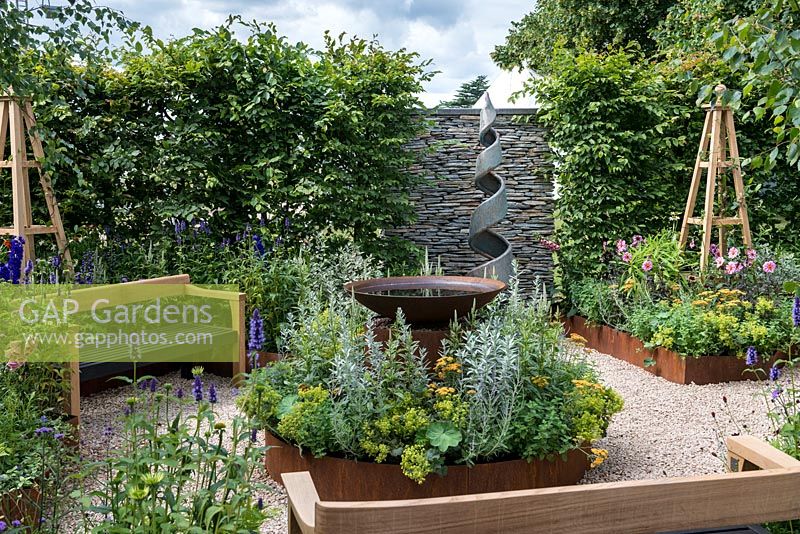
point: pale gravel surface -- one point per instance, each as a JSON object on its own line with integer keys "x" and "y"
{"x": 105, "y": 408}
{"x": 665, "y": 429}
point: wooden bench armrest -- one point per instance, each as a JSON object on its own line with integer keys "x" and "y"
{"x": 303, "y": 498}
{"x": 742, "y": 449}
{"x": 174, "y": 279}
{"x": 219, "y": 294}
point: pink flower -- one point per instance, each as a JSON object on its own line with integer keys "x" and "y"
{"x": 622, "y": 246}
{"x": 647, "y": 266}
{"x": 627, "y": 257}
{"x": 552, "y": 246}
{"x": 732, "y": 267}
{"x": 692, "y": 244}
{"x": 751, "y": 254}
{"x": 733, "y": 252}
{"x": 769, "y": 267}
{"x": 719, "y": 261}
{"x": 637, "y": 240}
{"x": 13, "y": 366}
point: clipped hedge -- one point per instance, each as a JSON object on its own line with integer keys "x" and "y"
{"x": 235, "y": 130}
{"x": 617, "y": 136}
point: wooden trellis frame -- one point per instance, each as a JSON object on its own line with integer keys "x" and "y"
{"x": 719, "y": 142}
{"x": 17, "y": 120}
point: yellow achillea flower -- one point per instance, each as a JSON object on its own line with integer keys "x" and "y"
{"x": 445, "y": 390}
{"x": 700, "y": 302}
{"x": 600, "y": 456}
{"x": 577, "y": 338}
{"x": 446, "y": 364}
{"x": 586, "y": 384}
{"x": 540, "y": 381}
{"x": 628, "y": 285}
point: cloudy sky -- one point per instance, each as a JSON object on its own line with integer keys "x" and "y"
{"x": 457, "y": 35}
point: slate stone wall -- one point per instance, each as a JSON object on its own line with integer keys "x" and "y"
{"x": 448, "y": 197}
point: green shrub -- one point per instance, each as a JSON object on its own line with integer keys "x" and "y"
{"x": 614, "y": 129}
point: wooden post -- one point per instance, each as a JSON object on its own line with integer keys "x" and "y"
{"x": 18, "y": 123}
{"x": 719, "y": 142}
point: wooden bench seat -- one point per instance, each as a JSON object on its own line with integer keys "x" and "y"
{"x": 764, "y": 487}
{"x": 117, "y": 361}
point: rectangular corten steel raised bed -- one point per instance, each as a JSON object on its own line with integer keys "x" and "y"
{"x": 668, "y": 364}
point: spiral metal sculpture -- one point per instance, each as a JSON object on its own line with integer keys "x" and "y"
{"x": 493, "y": 210}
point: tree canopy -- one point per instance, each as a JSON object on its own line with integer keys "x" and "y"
{"x": 588, "y": 24}
{"x": 468, "y": 93}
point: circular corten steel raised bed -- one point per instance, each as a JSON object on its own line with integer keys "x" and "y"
{"x": 338, "y": 479}
{"x": 425, "y": 299}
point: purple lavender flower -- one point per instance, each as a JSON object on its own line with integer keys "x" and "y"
{"x": 179, "y": 393}
{"x": 16, "y": 523}
{"x": 287, "y": 222}
{"x": 752, "y": 356}
{"x": 254, "y": 435}
{"x": 198, "y": 388}
{"x": 58, "y": 435}
{"x": 108, "y": 431}
{"x": 42, "y": 430}
{"x": 128, "y": 411}
{"x": 85, "y": 273}
{"x": 259, "y": 244}
{"x": 3, "y": 526}
{"x": 777, "y": 392}
{"x": 14, "y": 263}
{"x": 143, "y": 384}
{"x": 255, "y": 340}
{"x": 55, "y": 261}
{"x": 153, "y": 385}
{"x": 212, "y": 394}
{"x": 774, "y": 373}
{"x": 260, "y": 503}
{"x": 796, "y": 312}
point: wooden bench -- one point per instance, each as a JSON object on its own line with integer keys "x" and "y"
{"x": 180, "y": 285}
{"x": 745, "y": 496}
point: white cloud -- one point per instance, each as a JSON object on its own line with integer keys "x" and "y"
{"x": 457, "y": 35}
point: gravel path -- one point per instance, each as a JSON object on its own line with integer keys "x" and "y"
{"x": 669, "y": 430}
{"x": 665, "y": 429}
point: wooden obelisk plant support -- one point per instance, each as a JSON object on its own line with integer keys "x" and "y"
{"x": 17, "y": 121}
{"x": 717, "y": 154}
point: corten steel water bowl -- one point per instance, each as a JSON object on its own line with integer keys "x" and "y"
{"x": 425, "y": 299}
